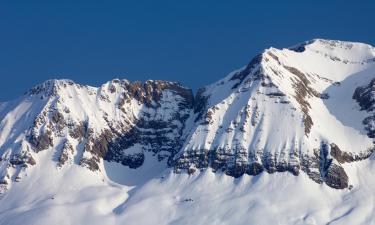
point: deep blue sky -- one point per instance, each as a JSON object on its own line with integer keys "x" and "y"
{"x": 194, "y": 42}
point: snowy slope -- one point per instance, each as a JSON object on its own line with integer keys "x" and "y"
{"x": 78, "y": 197}
{"x": 151, "y": 153}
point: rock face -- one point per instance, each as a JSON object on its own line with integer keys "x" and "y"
{"x": 159, "y": 127}
{"x": 365, "y": 96}
{"x": 277, "y": 114}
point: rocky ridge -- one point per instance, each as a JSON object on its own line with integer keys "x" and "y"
{"x": 106, "y": 123}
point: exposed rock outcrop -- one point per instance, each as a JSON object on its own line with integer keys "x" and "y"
{"x": 365, "y": 96}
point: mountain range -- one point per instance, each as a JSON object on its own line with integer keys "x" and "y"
{"x": 288, "y": 138}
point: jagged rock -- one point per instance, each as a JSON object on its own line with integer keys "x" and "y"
{"x": 79, "y": 131}
{"x": 3, "y": 182}
{"x": 302, "y": 91}
{"x": 31, "y": 161}
{"x": 66, "y": 153}
{"x": 319, "y": 167}
{"x": 90, "y": 163}
{"x": 200, "y": 103}
{"x": 332, "y": 173}
{"x": 369, "y": 123}
{"x": 22, "y": 159}
{"x": 365, "y": 96}
{"x": 254, "y": 169}
{"x": 240, "y": 76}
{"x": 339, "y": 155}
{"x": 58, "y": 118}
{"x": 237, "y": 170}
{"x": 191, "y": 171}
{"x": 42, "y": 141}
{"x": 133, "y": 161}
{"x": 336, "y": 177}
{"x": 97, "y": 147}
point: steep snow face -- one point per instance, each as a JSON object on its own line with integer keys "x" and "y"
{"x": 288, "y": 110}
{"x": 119, "y": 121}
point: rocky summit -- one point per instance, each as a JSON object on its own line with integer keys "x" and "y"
{"x": 306, "y": 111}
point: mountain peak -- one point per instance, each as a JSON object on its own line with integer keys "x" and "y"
{"x": 50, "y": 87}
{"x": 346, "y": 51}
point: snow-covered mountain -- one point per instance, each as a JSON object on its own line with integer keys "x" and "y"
{"x": 287, "y": 110}
{"x": 118, "y": 122}
{"x": 78, "y": 154}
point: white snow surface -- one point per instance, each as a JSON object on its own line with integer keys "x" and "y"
{"x": 154, "y": 194}
{"x": 76, "y": 196}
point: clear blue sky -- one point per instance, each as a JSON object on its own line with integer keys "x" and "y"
{"x": 194, "y": 42}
